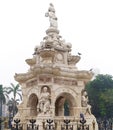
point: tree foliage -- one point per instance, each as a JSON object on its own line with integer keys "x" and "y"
{"x": 15, "y": 90}
{"x": 100, "y": 92}
{"x": 3, "y": 95}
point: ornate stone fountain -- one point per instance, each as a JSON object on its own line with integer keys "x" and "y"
{"x": 53, "y": 87}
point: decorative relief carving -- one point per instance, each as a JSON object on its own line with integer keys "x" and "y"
{"x": 31, "y": 83}
{"x": 80, "y": 83}
{"x": 65, "y": 81}
{"x": 46, "y": 56}
{"x": 72, "y": 60}
{"x": 23, "y": 76}
{"x": 45, "y": 79}
{"x": 74, "y": 82}
{"x": 46, "y": 60}
{"x": 59, "y": 58}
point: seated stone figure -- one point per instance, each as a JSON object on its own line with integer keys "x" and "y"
{"x": 44, "y": 101}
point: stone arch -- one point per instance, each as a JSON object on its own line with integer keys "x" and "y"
{"x": 61, "y": 90}
{"x": 68, "y": 97}
{"x": 32, "y": 104}
{"x": 33, "y": 90}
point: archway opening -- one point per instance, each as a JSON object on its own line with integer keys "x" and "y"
{"x": 32, "y": 104}
{"x": 66, "y": 108}
{"x": 64, "y": 105}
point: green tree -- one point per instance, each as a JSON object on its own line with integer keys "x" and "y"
{"x": 100, "y": 93}
{"x": 12, "y": 105}
{"x": 3, "y": 95}
{"x": 15, "y": 90}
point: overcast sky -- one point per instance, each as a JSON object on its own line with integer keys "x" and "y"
{"x": 86, "y": 24}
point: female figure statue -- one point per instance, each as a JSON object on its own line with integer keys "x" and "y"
{"x": 44, "y": 101}
{"x": 84, "y": 100}
{"x": 51, "y": 15}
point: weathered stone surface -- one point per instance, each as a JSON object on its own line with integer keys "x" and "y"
{"x": 52, "y": 80}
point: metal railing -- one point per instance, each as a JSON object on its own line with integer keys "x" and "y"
{"x": 82, "y": 125}
{"x": 32, "y": 125}
{"x": 50, "y": 125}
{"x": 67, "y": 125}
{"x": 17, "y": 125}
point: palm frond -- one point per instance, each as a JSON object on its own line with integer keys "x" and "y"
{"x": 20, "y": 95}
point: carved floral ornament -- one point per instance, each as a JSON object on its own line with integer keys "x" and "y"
{"x": 60, "y": 81}
{"x": 32, "y": 83}
{"x": 47, "y": 79}
{"x": 65, "y": 81}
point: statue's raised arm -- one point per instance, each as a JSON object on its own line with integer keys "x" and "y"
{"x": 52, "y": 16}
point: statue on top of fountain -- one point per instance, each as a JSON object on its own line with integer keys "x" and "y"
{"x": 52, "y": 16}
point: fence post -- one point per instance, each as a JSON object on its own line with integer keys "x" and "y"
{"x": 66, "y": 122}
{"x": 17, "y": 121}
{"x": 66, "y": 125}
{"x": 82, "y": 125}
{"x": 32, "y": 121}
{"x": 50, "y": 125}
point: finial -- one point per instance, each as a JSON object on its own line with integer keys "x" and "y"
{"x": 52, "y": 16}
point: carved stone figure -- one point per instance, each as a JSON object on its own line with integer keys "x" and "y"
{"x": 84, "y": 100}
{"x": 51, "y": 15}
{"x": 88, "y": 109}
{"x": 44, "y": 101}
{"x": 85, "y": 104}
